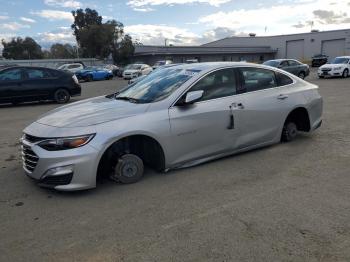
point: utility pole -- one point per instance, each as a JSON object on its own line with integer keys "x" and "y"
{"x": 165, "y": 40}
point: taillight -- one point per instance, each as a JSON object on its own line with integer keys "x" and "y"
{"x": 75, "y": 79}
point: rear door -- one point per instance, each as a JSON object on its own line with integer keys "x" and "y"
{"x": 205, "y": 128}
{"x": 264, "y": 104}
{"x": 11, "y": 84}
{"x": 38, "y": 83}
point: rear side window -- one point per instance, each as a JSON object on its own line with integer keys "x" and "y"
{"x": 11, "y": 75}
{"x": 38, "y": 73}
{"x": 218, "y": 84}
{"x": 73, "y": 66}
{"x": 254, "y": 79}
{"x": 283, "y": 80}
{"x": 293, "y": 63}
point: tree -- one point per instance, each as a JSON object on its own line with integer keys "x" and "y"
{"x": 125, "y": 50}
{"x": 62, "y": 51}
{"x": 19, "y": 48}
{"x": 97, "y": 39}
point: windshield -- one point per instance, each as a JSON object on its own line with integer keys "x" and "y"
{"x": 340, "y": 60}
{"x": 134, "y": 67}
{"x": 273, "y": 63}
{"x": 156, "y": 86}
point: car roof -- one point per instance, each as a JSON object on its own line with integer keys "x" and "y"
{"x": 214, "y": 65}
{"x": 343, "y": 56}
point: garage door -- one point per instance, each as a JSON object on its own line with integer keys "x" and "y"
{"x": 295, "y": 49}
{"x": 333, "y": 48}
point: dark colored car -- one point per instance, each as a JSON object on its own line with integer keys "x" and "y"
{"x": 290, "y": 65}
{"x": 94, "y": 73}
{"x": 319, "y": 60}
{"x": 23, "y": 84}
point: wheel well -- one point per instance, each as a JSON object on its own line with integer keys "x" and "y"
{"x": 145, "y": 147}
{"x": 300, "y": 117}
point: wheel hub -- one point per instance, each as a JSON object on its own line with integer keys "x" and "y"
{"x": 129, "y": 169}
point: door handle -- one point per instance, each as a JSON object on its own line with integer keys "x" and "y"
{"x": 282, "y": 97}
{"x": 238, "y": 105}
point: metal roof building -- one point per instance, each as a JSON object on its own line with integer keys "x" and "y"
{"x": 179, "y": 54}
{"x": 298, "y": 46}
{"x": 254, "y": 48}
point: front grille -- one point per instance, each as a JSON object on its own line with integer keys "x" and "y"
{"x": 32, "y": 139}
{"x": 29, "y": 158}
{"x": 56, "y": 180}
{"x": 326, "y": 69}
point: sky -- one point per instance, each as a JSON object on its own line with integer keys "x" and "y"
{"x": 181, "y": 22}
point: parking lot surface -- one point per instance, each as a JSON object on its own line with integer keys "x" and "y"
{"x": 287, "y": 202}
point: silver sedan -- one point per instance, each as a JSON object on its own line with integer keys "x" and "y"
{"x": 177, "y": 117}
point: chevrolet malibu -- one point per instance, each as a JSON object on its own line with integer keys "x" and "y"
{"x": 177, "y": 117}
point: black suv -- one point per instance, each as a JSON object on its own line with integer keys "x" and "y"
{"x": 319, "y": 60}
{"x": 23, "y": 84}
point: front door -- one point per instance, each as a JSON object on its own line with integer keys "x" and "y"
{"x": 206, "y": 127}
{"x": 11, "y": 84}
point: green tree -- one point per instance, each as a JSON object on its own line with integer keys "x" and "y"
{"x": 18, "y": 48}
{"x": 125, "y": 50}
{"x": 62, "y": 51}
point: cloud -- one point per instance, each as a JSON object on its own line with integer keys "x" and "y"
{"x": 330, "y": 17}
{"x": 63, "y": 35}
{"x": 13, "y": 26}
{"x": 156, "y": 34}
{"x": 137, "y": 4}
{"x": 63, "y": 3}
{"x": 53, "y": 15}
{"x": 146, "y": 9}
{"x": 3, "y": 17}
{"x": 28, "y": 20}
{"x": 281, "y": 19}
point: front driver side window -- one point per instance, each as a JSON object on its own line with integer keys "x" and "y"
{"x": 11, "y": 75}
{"x": 218, "y": 84}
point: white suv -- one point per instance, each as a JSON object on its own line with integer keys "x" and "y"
{"x": 340, "y": 66}
{"x": 71, "y": 67}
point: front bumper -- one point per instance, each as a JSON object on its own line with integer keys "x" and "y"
{"x": 66, "y": 170}
{"x": 330, "y": 73}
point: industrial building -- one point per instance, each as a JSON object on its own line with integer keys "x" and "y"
{"x": 254, "y": 48}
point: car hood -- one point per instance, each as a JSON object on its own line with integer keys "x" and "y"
{"x": 91, "y": 112}
{"x": 332, "y": 65}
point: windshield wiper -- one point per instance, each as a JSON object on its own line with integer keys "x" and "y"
{"x": 130, "y": 99}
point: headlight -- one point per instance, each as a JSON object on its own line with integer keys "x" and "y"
{"x": 337, "y": 68}
{"x": 65, "y": 143}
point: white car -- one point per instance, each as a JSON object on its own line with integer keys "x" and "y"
{"x": 340, "y": 66}
{"x": 161, "y": 63}
{"x": 71, "y": 67}
{"x": 136, "y": 70}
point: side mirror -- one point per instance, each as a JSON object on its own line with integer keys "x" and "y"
{"x": 194, "y": 96}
